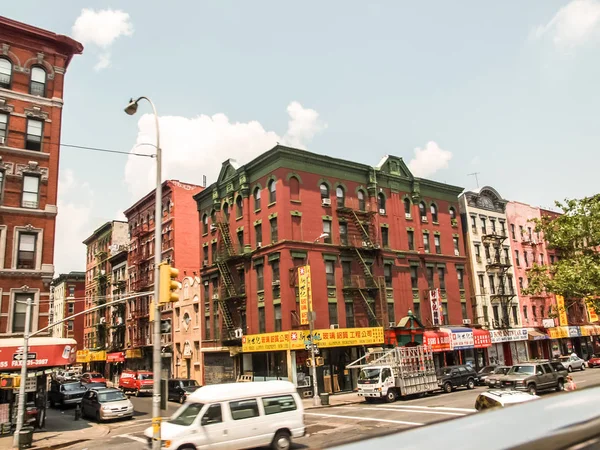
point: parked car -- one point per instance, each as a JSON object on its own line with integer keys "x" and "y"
{"x": 66, "y": 375}
{"x": 180, "y": 388}
{"x": 92, "y": 377}
{"x": 594, "y": 361}
{"x": 560, "y": 368}
{"x": 483, "y": 374}
{"x": 67, "y": 393}
{"x": 492, "y": 379}
{"x": 105, "y": 404}
{"x": 451, "y": 377}
{"x": 95, "y": 385}
{"x": 572, "y": 362}
{"x": 136, "y": 381}
{"x": 501, "y": 398}
{"x": 533, "y": 377}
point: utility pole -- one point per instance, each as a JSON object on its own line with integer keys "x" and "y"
{"x": 24, "y": 360}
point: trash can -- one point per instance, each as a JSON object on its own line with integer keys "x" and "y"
{"x": 324, "y": 399}
{"x": 25, "y": 437}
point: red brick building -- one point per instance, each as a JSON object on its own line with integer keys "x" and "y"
{"x": 180, "y": 248}
{"x": 33, "y": 63}
{"x": 68, "y": 299}
{"x": 390, "y": 239}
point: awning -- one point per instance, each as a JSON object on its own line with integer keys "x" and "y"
{"x": 134, "y": 353}
{"x": 115, "y": 357}
{"x": 42, "y": 352}
{"x": 437, "y": 340}
{"x": 535, "y": 335}
{"x": 508, "y": 335}
{"x": 481, "y": 338}
{"x": 462, "y": 338}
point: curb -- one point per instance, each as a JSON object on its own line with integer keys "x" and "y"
{"x": 353, "y": 402}
{"x": 99, "y": 432}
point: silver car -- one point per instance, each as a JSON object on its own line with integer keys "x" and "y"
{"x": 105, "y": 404}
{"x": 572, "y": 362}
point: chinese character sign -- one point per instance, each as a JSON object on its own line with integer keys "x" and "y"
{"x": 592, "y": 314}
{"x": 436, "y": 307}
{"x": 562, "y": 312}
{"x": 305, "y": 293}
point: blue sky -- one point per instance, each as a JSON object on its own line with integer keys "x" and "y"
{"x": 508, "y": 89}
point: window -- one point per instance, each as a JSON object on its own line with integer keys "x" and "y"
{"x": 243, "y": 409}
{"x": 525, "y": 311}
{"x": 33, "y": 138}
{"x": 327, "y": 231}
{"x": 324, "y": 189}
{"x": 205, "y": 255}
{"x": 204, "y": 224}
{"x": 512, "y": 231}
{"x": 343, "y": 233}
{"x": 18, "y": 315}
{"x": 541, "y": 259}
{"x": 340, "y": 196}
{"x": 347, "y": 273}
{"x": 486, "y": 315}
{"x": 414, "y": 277}
{"x": 422, "y": 212}
{"x": 542, "y": 311}
{"x": 493, "y": 223}
{"x": 213, "y": 250}
{"x": 260, "y": 281}
{"x": 391, "y": 312}
{"x": 426, "y": 242}
{"x": 26, "y": 253}
{"x": 70, "y": 325}
{"x": 481, "y": 282}
{"x": 5, "y": 73}
{"x": 272, "y": 191}
{"x": 407, "y": 205}
{"x": 483, "y": 225}
{"x": 529, "y": 233}
{"x": 434, "y": 213}
{"x": 258, "y": 234}
{"x": 436, "y": 243}
{"x": 463, "y": 310}
{"x": 526, "y": 258}
{"x": 385, "y": 237}
{"x": 478, "y": 252}
{"x": 226, "y": 211}
{"x": 240, "y": 238}
{"x": 256, "y": 198}
{"x": 37, "y": 85}
{"x": 411, "y": 239}
{"x": 492, "y": 284}
{"x": 274, "y": 235}
{"x": 460, "y": 274}
{"x": 551, "y": 256}
{"x": 521, "y": 283}
{"x": 261, "y": 319}
{"x": 456, "y": 245}
{"x": 442, "y": 278}
{"x": 1, "y": 183}
{"x": 361, "y": 201}
{"x": 502, "y": 228}
{"x": 294, "y": 189}
{"x": 496, "y": 312}
{"x": 473, "y": 224}
{"x": 517, "y": 260}
{"x": 330, "y": 273}
{"x": 452, "y": 212}
{"x": 280, "y": 404}
{"x": 515, "y": 314}
{"x": 207, "y": 327}
{"x": 445, "y": 313}
{"x": 387, "y": 275}
{"x": 239, "y": 207}
{"x": 71, "y": 291}
{"x": 277, "y": 315}
{"x": 506, "y": 255}
{"x": 349, "y": 315}
{"x": 213, "y": 217}
{"x": 511, "y": 284}
{"x": 212, "y": 415}
{"x": 3, "y": 127}
{"x": 521, "y": 230}
{"x": 333, "y": 314}
{"x": 381, "y": 203}
{"x": 429, "y": 273}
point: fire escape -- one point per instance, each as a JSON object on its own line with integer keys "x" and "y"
{"x": 101, "y": 291}
{"x": 498, "y": 264}
{"x": 359, "y": 242}
{"x": 232, "y": 293}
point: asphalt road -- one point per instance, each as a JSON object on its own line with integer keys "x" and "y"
{"x": 335, "y": 425}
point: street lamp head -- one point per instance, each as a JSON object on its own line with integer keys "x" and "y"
{"x": 324, "y": 236}
{"x": 132, "y": 107}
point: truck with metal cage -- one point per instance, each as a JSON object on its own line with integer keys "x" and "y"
{"x": 396, "y": 372}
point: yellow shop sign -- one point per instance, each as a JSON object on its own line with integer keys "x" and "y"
{"x": 98, "y": 356}
{"x": 83, "y": 356}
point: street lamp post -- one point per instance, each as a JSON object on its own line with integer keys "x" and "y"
{"x": 24, "y": 360}
{"x": 311, "y": 327}
{"x": 156, "y": 358}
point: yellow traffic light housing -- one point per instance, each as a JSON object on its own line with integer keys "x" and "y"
{"x": 10, "y": 382}
{"x": 168, "y": 284}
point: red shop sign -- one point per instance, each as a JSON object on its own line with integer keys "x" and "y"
{"x": 42, "y": 352}
{"x": 115, "y": 357}
{"x": 438, "y": 341}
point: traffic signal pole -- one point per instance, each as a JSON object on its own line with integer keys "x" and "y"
{"x": 24, "y": 359}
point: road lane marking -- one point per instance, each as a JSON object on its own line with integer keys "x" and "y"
{"x": 417, "y": 411}
{"x": 441, "y": 408}
{"x": 371, "y": 419}
{"x": 133, "y": 438}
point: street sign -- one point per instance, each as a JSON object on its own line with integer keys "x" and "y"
{"x": 30, "y": 385}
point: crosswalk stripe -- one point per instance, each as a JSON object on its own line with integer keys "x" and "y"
{"x": 441, "y": 408}
{"x": 417, "y": 411}
{"x": 371, "y": 419}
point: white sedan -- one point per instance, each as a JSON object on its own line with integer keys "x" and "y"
{"x": 572, "y": 362}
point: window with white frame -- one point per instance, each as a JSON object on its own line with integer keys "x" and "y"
{"x": 3, "y": 128}
{"x": 37, "y": 84}
{"x": 26, "y": 253}
{"x": 33, "y": 139}
{"x": 1, "y": 183}
{"x": 31, "y": 191}
{"x": 19, "y": 309}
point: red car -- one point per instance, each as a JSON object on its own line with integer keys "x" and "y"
{"x": 92, "y": 377}
{"x": 594, "y": 361}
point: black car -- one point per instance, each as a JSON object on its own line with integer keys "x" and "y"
{"x": 180, "y": 388}
{"x": 484, "y": 373}
{"x": 65, "y": 393}
{"x": 451, "y": 377}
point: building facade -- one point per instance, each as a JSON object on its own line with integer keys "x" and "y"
{"x": 180, "y": 248}
{"x": 68, "y": 291}
{"x": 33, "y": 63}
{"x": 187, "y": 330}
{"x": 378, "y": 242}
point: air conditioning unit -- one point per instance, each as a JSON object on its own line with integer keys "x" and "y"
{"x": 215, "y": 297}
{"x": 258, "y": 244}
{"x": 392, "y": 325}
{"x": 408, "y": 215}
{"x": 423, "y": 218}
{"x": 276, "y": 283}
{"x": 456, "y": 252}
{"x": 489, "y": 260}
{"x": 102, "y": 320}
{"x": 213, "y": 227}
{"x": 205, "y": 263}
{"x": 326, "y": 201}
{"x": 466, "y": 321}
{"x": 334, "y": 326}
{"x": 381, "y": 211}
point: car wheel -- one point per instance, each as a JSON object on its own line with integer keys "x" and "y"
{"x": 532, "y": 389}
{"x": 447, "y": 387}
{"x": 391, "y": 396}
{"x": 570, "y": 369}
{"x": 281, "y": 441}
{"x": 582, "y": 367}
{"x": 98, "y": 417}
{"x": 560, "y": 386}
{"x": 470, "y": 384}
{"x": 182, "y": 398}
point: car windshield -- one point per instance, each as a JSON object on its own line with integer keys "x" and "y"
{"x": 95, "y": 375}
{"x": 188, "y": 383}
{"x": 145, "y": 376}
{"x": 71, "y": 387}
{"x": 186, "y": 415}
{"x": 369, "y": 374}
{"x": 501, "y": 370}
{"x": 521, "y": 369}
{"x": 487, "y": 369}
{"x": 112, "y": 396}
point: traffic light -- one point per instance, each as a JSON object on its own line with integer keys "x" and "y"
{"x": 168, "y": 284}
{"x": 8, "y": 382}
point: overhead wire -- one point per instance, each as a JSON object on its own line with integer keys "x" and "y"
{"x": 106, "y": 150}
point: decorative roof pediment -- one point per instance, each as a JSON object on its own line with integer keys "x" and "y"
{"x": 228, "y": 170}
{"x": 394, "y": 165}
{"x": 486, "y": 198}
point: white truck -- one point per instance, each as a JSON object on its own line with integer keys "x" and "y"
{"x": 395, "y": 372}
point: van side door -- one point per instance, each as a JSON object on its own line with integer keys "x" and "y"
{"x": 247, "y": 429}
{"x": 213, "y": 431}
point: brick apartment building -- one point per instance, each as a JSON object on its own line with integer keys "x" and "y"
{"x": 68, "y": 298}
{"x": 391, "y": 239}
{"x": 33, "y": 63}
{"x": 180, "y": 247}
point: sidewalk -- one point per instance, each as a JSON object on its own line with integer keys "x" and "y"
{"x": 346, "y": 398}
{"x": 61, "y": 430}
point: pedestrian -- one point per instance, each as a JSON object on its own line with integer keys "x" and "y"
{"x": 570, "y": 386}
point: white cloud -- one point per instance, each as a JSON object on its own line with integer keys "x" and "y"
{"x": 101, "y": 28}
{"x": 197, "y": 146}
{"x": 429, "y": 160}
{"x": 573, "y": 24}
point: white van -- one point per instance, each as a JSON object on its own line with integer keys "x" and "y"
{"x": 236, "y": 416}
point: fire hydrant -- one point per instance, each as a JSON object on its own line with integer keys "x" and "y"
{"x": 77, "y": 411}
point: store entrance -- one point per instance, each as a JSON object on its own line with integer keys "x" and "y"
{"x": 336, "y": 377}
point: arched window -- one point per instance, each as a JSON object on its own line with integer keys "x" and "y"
{"x": 213, "y": 217}
{"x": 226, "y": 210}
{"x": 434, "y": 213}
{"x": 381, "y": 202}
{"x": 361, "y": 201}
{"x": 340, "y": 196}
{"x": 256, "y": 198}
{"x": 239, "y": 207}
{"x": 37, "y": 84}
{"x": 423, "y": 211}
{"x": 452, "y": 213}
{"x": 324, "y": 190}
{"x": 294, "y": 188}
{"x": 204, "y": 224}
{"x": 5, "y": 73}
{"x": 407, "y": 205}
{"x": 272, "y": 191}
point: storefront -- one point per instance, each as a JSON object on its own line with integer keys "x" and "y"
{"x": 98, "y": 362}
{"x": 539, "y": 344}
{"x": 508, "y": 346}
{"x": 582, "y": 340}
{"x": 115, "y": 362}
{"x": 458, "y": 345}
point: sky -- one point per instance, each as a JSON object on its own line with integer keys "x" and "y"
{"x": 506, "y": 89}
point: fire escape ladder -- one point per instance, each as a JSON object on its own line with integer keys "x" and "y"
{"x": 368, "y": 307}
{"x": 369, "y": 278}
{"x": 227, "y": 279}
{"x": 363, "y": 231}
{"x": 226, "y": 237}
{"x": 227, "y": 319}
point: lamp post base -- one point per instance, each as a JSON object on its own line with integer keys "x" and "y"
{"x": 316, "y": 400}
